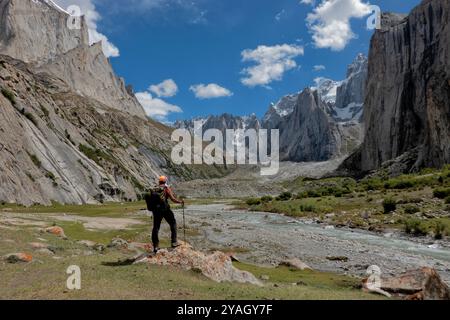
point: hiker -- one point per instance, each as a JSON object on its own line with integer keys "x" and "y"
{"x": 158, "y": 202}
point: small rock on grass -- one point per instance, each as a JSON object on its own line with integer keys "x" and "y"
{"x": 46, "y": 251}
{"x": 38, "y": 245}
{"x": 118, "y": 243}
{"x": 18, "y": 257}
{"x": 57, "y": 231}
{"x": 296, "y": 264}
{"x": 92, "y": 245}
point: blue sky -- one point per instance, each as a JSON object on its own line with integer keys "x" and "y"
{"x": 194, "y": 42}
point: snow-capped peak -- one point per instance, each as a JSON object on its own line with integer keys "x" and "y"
{"x": 327, "y": 89}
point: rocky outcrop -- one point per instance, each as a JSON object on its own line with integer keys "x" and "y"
{"x": 407, "y": 106}
{"x": 37, "y": 32}
{"x": 352, "y": 91}
{"x": 308, "y": 134}
{"x": 279, "y": 111}
{"x": 217, "y": 266}
{"x": 422, "y": 284}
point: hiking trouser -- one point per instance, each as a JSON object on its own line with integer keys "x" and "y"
{"x": 169, "y": 216}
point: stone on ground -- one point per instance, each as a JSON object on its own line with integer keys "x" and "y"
{"x": 57, "y": 231}
{"x": 118, "y": 243}
{"x": 18, "y": 257}
{"x": 92, "y": 245}
{"x": 38, "y": 245}
{"x": 217, "y": 266}
{"x": 296, "y": 264}
{"x": 421, "y": 284}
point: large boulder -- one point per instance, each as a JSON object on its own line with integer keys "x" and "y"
{"x": 217, "y": 266}
{"x": 421, "y": 284}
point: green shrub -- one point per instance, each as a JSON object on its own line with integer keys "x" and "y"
{"x": 8, "y": 94}
{"x": 50, "y": 175}
{"x": 30, "y": 117}
{"x": 314, "y": 194}
{"x": 285, "y": 196}
{"x": 94, "y": 154}
{"x": 441, "y": 193}
{"x": 439, "y": 230}
{"x": 45, "y": 111}
{"x": 389, "y": 205}
{"x": 399, "y": 184}
{"x": 411, "y": 209}
{"x": 302, "y": 195}
{"x": 253, "y": 202}
{"x": 415, "y": 227}
{"x": 35, "y": 160}
{"x": 447, "y": 200}
{"x": 307, "y": 208}
{"x": 266, "y": 199}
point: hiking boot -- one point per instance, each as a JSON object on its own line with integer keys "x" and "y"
{"x": 175, "y": 245}
{"x": 156, "y": 249}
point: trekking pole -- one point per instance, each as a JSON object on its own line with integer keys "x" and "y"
{"x": 184, "y": 224}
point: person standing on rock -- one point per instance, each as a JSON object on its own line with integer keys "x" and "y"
{"x": 158, "y": 203}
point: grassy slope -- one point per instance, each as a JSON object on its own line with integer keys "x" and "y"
{"x": 360, "y": 204}
{"x": 45, "y": 278}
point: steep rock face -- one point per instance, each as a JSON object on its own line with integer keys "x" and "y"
{"x": 56, "y": 145}
{"x": 351, "y": 92}
{"x": 407, "y": 108}
{"x": 37, "y": 32}
{"x": 89, "y": 73}
{"x": 308, "y": 135}
{"x": 27, "y": 24}
{"x": 326, "y": 122}
{"x": 277, "y": 112}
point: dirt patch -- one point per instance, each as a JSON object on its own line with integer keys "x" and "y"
{"x": 101, "y": 223}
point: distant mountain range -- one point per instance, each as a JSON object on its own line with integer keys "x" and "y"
{"x": 319, "y": 123}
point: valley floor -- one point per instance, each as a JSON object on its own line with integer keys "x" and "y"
{"x": 45, "y": 277}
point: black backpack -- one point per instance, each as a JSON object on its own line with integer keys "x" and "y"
{"x": 156, "y": 200}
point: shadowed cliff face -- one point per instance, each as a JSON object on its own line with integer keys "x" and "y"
{"x": 407, "y": 108}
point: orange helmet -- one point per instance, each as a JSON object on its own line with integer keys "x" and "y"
{"x": 163, "y": 179}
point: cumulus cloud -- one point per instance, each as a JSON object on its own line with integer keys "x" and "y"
{"x": 168, "y": 88}
{"x": 329, "y": 22}
{"x": 210, "y": 91}
{"x": 92, "y": 17}
{"x": 319, "y": 67}
{"x": 156, "y": 108}
{"x": 311, "y": 2}
{"x": 271, "y": 63}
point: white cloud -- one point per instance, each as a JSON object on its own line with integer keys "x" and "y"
{"x": 92, "y": 17}
{"x": 319, "y": 67}
{"x": 311, "y": 2}
{"x": 168, "y": 88}
{"x": 210, "y": 91}
{"x": 156, "y": 108}
{"x": 280, "y": 15}
{"x": 271, "y": 63}
{"x": 329, "y": 22}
